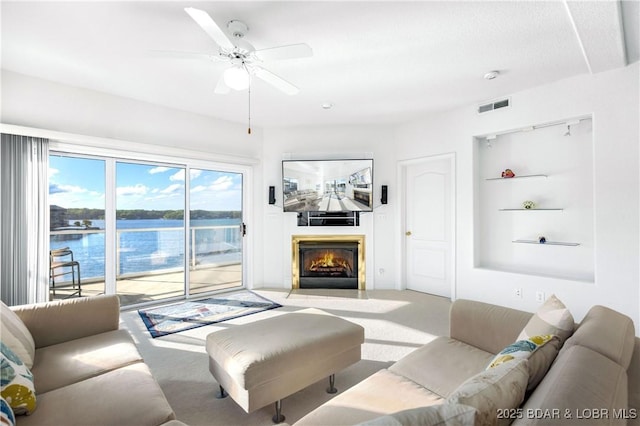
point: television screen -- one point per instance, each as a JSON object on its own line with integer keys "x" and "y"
{"x": 327, "y": 185}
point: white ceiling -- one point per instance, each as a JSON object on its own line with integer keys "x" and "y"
{"x": 377, "y": 62}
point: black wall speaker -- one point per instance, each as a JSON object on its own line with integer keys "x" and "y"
{"x": 383, "y": 194}
{"x": 272, "y": 195}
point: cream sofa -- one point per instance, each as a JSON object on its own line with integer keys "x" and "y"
{"x": 589, "y": 381}
{"x": 86, "y": 370}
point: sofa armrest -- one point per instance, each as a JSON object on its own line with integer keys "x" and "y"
{"x": 64, "y": 320}
{"x": 485, "y": 326}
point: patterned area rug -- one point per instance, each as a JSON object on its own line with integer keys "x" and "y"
{"x": 187, "y": 315}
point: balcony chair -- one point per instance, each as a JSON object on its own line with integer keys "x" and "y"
{"x": 61, "y": 262}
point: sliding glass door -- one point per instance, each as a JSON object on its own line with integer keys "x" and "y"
{"x": 125, "y": 223}
{"x": 215, "y": 230}
{"x": 150, "y": 232}
{"x": 76, "y": 222}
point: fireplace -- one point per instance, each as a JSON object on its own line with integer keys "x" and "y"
{"x": 328, "y": 261}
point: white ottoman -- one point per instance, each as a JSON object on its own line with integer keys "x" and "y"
{"x": 260, "y": 363}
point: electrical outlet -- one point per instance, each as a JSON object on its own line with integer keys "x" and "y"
{"x": 518, "y": 293}
{"x": 540, "y": 296}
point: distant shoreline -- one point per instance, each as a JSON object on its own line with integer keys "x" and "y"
{"x": 79, "y": 214}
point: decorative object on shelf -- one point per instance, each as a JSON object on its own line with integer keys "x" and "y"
{"x": 528, "y": 205}
{"x": 542, "y": 240}
{"x": 508, "y": 173}
{"x": 546, "y": 243}
{"x": 517, "y": 177}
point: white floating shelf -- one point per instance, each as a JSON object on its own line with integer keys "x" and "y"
{"x": 549, "y": 243}
{"x": 517, "y": 177}
{"x": 528, "y": 210}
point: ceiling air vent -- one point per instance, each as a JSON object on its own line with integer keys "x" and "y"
{"x": 502, "y": 103}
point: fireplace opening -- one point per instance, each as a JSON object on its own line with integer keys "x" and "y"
{"x": 329, "y": 265}
{"x": 328, "y": 261}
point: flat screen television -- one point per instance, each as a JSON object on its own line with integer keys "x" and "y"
{"x": 327, "y": 185}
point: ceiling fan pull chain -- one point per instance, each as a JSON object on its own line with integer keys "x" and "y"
{"x": 249, "y": 112}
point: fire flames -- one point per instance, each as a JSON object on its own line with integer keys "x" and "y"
{"x": 329, "y": 261}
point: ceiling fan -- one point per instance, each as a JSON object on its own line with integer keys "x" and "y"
{"x": 243, "y": 57}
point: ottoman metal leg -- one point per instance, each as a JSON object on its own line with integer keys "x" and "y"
{"x": 332, "y": 382}
{"x": 221, "y": 393}
{"x": 278, "y": 417}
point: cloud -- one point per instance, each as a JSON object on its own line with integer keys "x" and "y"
{"x": 198, "y": 188}
{"x": 222, "y": 183}
{"x": 179, "y": 175}
{"x": 159, "y": 169}
{"x": 53, "y": 172}
{"x": 137, "y": 189}
{"x": 176, "y": 187}
{"x": 55, "y": 188}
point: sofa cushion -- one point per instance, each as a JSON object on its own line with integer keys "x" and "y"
{"x": 607, "y": 332}
{"x": 486, "y": 326}
{"x": 500, "y": 388}
{"x": 382, "y": 393}
{"x": 434, "y": 415}
{"x": 70, "y": 362}
{"x": 60, "y": 321}
{"x": 456, "y": 362}
{"x": 580, "y": 382}
{"x": 127, "y": 396}
{"x": 16, "y": 385}
{"x": 16, "y": 335}
{"x": 552, "y": 317}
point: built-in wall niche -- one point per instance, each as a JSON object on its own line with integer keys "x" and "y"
{"x": 553, "y": 168}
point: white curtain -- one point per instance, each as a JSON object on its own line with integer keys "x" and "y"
{"x": 24, "y": 220}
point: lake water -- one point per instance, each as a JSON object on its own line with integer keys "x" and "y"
{"x": 151, "y": 244}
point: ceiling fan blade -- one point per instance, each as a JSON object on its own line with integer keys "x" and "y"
{"x": 178, "y": 54}
{"x": 221, "y": 87}
{"x": 209, "y": 26}
{"x": 276, "y": 81}
{"x": 291, "y": 51}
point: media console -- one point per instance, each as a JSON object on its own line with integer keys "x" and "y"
{"x": 329, "y": 218}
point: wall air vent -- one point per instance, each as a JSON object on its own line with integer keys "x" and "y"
{"x": 491, "y": 106}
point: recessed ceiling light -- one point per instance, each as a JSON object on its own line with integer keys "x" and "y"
{"x": 327, "y": 105}
{"x": 491, "y": 75}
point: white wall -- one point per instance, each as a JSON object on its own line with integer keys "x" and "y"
{"x": 33, "y": 102}
{"x": 612, "y": 99}
{"x": 339, "y": 142}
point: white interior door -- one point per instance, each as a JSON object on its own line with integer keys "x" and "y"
{"x": 429, "y": 230}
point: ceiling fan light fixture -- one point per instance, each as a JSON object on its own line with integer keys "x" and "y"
{"x": 236, "y": 77}
{"x": 491, "y": 75}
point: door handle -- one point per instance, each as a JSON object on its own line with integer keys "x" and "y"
{"x": 408, "y": 233}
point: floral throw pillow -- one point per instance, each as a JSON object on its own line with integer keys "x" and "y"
{"x": 552, "y": 317}
{"x": 522, "y": 349}
{"x": 16, "y": 382}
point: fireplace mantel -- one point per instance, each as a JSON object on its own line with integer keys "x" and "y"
{"x": 295, "y": 254}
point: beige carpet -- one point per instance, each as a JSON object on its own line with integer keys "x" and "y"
{"x": 395, "y": 323}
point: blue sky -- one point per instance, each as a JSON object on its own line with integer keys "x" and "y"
{"x": 80, "y": 182}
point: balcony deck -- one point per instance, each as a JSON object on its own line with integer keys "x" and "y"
{"x": 158, "y": 286}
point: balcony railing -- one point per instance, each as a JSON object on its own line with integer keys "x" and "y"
{"x": 147, "y": 251}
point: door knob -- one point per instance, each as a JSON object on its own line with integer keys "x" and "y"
{"x": 408, "y": 233}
